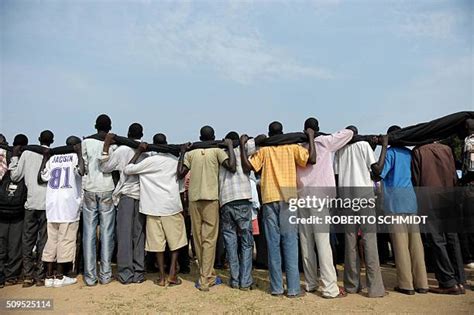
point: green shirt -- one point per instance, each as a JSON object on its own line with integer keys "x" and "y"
{"x": 204, "y": 166}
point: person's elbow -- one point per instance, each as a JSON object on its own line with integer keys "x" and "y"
{"x": 247, "y": 168}
{"x": 181, "y": 172}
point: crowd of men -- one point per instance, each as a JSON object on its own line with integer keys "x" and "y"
{"x": 126, "y": 205}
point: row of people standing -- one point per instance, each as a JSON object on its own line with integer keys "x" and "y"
{"x": 148, "y": 214}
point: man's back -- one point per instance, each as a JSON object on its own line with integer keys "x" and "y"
{"x": 321, "y": 174}
{"x": 235, "y": 186}
{"x": 95, "y": 180}
{"x": 204, "y": 165}
{"x": 353, "y": 165}
{"x": 399, "y": 195}
{"x": 63, "y": 195}
{"x": 159, "y": 187}
{"x": 433, "y": 165}
{"x": 27, "y": 167}
{"x": 278, "y": 167}
{"x": 117, "y": 161}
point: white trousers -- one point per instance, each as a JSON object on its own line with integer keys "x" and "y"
{"x": 311, "y": 236}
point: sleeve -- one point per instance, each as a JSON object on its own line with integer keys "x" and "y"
{"x": 221, "y": 155}
{"x": 46, "y": 173}
{"x": 389, "y": 163}
{"x": 187, "y": 160}
{"x": 416, "y": 167}
{"x": 17, "y": 166}
{"x": 3, "y": 163}
{"x": 109, "y": 163}
{"x": 301, "y": 155}
{"x": 257, "y": 160}
{"x": 84, "y": 156}
{"x": 369, "y": 155}
{"x": 250, "y": 147}
{"x": 337, "y": 140}
{"x": 76, "y": 165}
{"x": 145, "y": 166}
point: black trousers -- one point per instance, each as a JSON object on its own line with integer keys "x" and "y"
{"x": 34, "y": 234}
{"x": 183, "y": 258}
{"x": 220, "y": 249}
{"x": 448, "y": 264}
{"x": 10, "y": 249}
{"x": 261, "y": 258}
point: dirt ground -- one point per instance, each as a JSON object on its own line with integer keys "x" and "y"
{"x": 149, "y": 298}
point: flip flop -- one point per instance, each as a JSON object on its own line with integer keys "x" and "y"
{"x": 157, "y": 282}
{"x": 342, "y": 294}
{"x": 175, "y": 283}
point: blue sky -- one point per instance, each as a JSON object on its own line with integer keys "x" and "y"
{"x": 175, "y": 66}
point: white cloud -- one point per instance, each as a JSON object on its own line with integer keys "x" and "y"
{"x": 436, "y": 25}
{"x": 223, "y": 39}
{"x": 431, "y": 20}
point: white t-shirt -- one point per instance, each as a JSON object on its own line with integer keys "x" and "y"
{"x": 352, "y": 163}
{"x": 159, "y": 187}
{"x": 63, "y": 193}
{"x": 117, "y": 161}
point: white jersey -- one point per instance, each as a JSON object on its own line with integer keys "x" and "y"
{"x": 63, "y": 194}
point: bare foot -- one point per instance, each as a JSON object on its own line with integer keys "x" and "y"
{"x": 161, "y": 281}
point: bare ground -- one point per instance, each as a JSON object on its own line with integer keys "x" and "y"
{"x": 149, "y": 298}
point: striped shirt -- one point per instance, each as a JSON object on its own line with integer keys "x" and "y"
{"x": 235, "y": 186}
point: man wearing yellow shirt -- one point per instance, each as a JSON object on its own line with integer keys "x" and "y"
{"x": 277, "y": 165}
{"x": 203, "y": 196}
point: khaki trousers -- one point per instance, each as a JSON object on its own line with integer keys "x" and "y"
{"x": 409, "y": 257}
{"x": 205, "y": 228}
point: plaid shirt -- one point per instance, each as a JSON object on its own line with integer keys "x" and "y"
{"x": 235, "y": 186}
{"x": 278, "y": 166}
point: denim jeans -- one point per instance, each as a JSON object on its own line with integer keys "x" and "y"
{"x": 282, "y": 238}
{"x": 98, "y": 209}
{"x": 236, "y": 218}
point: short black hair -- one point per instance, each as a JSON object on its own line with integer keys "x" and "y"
{"x": 73, "y": 140}
{"x": 20, "y": 139}
{"x": 46, "y": 137}
{"x": 160, "y": 138}
{"x": 135, "y": 131}
{"x": 275, "y": 128}
{"x": 103, "y": 123}
{"x": 232, "y": 136}
{"x": 393, "y": 128}
{"x": 312, "y": 123}
{"x": 354, "y": 129}
{"x": 207, "y": 133}
{"x": 3, "y": 140}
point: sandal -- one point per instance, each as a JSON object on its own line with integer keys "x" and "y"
{"x": 28, "y": 283}
{"x": 342, "y": 294}
{"x": 174, "y": 283}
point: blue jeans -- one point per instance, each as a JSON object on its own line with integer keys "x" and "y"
{"x": 236, "y": 218}
{"x": 282, "y": 238}
{"x": 98, "y": 209}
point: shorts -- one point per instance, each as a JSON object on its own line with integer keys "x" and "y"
{"x": 61, "y": 244}
{"x": 165, "y": 229}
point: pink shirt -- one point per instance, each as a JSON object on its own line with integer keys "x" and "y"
{"x": 321, "y": 174}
